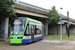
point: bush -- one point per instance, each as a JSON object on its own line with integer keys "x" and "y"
{"x": 2, "y": 40}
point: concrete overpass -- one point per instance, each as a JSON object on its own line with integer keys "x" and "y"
{"x": 25, "y": 10}
{"x": 54, "y": 30}
{"x": 31, "y": 11}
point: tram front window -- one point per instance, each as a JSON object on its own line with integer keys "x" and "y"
{"x": 16, "y": 28}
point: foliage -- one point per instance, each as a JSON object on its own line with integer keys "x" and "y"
{"x": 6, "y": 8}
{"x": 2, "y": 40}
{"x": 53, "y": 16}
{"x": 71, "y": 34}
{"x": 58, "y": 37}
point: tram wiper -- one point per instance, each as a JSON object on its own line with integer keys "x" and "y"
{"x": 12, "y": 34}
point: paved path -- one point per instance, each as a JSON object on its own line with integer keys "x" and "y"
{"x": 47, "y": 39}
{"x": 72, "y": 37}
{"x": 39, "y": 45}
{"x": 58, "y": 41}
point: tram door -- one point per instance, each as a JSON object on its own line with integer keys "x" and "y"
{"x": 32, "y": 32}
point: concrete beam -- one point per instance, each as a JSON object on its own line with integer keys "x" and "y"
{"x": 46, "y": 27}
{"x": 30, "y": 13}
{"x": 31, "y": 9}
{"x": 69, "y": 22}
{"x": 72, "y": 29}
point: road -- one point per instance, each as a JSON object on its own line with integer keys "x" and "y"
{"x": 39, "y": 45}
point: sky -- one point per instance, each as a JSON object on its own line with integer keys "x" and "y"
{"x": 67, "y": 5}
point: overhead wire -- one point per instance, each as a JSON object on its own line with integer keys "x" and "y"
{"x": 36, "y": 2}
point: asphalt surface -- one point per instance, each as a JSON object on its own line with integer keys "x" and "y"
{"x": 39, "y": 45}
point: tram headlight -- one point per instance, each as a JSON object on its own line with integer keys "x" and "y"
{"x": 11, "y": 37}
{"x": 16, "y": 33}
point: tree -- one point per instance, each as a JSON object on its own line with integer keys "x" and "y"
{"x": 6, "y": 8}
{"x": 53, "y": 16}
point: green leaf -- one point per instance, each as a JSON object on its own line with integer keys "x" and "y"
{"x": 53, "y": 16}
{"x": 6, "y": 9}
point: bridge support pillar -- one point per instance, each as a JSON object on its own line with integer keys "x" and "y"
{"x": 6, "y": 27}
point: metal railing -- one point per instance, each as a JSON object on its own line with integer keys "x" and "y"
{"x": 32, "y": 6}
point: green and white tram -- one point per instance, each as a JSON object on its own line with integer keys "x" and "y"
{"x": 25, "y": 30}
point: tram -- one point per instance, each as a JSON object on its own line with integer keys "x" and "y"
{"x": 25, "y": 30}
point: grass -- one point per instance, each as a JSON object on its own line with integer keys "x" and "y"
{"x": 3, "y": 41}
{"x": 73, "y": 34}
{"x": 58, "y": 37}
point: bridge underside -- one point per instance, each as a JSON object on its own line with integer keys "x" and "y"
{"x": 55, "y": 30}
{"x": 4, "y": 24}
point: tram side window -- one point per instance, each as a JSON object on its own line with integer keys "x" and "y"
{"x": 43, "y": 30}
{"x": 32, "y": 29}
{"x": 38, "y": 30}
{"x": 29, "y": 29}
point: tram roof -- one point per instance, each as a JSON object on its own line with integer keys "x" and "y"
{"x": 33, "y": 20}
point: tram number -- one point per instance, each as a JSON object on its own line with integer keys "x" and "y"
{"x": 14, "y": 37}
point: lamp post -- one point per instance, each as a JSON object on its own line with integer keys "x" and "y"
{"x": 68, "y": 23}
{"x": 61, "y": 25}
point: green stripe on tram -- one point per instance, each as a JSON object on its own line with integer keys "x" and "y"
{"x": 16, "y": 35}
{"x": 33, "y": 20}
{"x": 16, "y": 41}
{"x": 25, "y": 26}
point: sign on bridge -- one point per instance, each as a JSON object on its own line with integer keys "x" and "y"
{"x": 61, "y": 22}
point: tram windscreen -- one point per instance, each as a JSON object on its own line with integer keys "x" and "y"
{"x": 17, "y": 27}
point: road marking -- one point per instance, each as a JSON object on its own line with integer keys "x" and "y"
{"x": 58, "y": 41}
